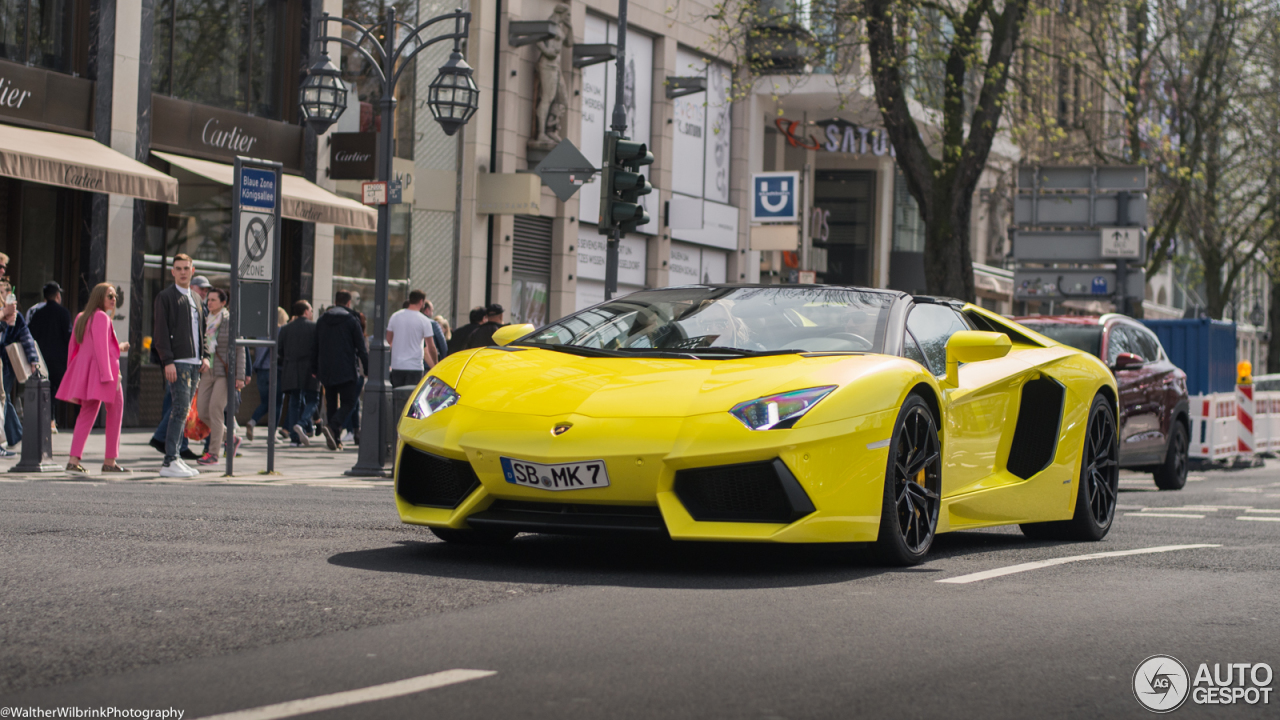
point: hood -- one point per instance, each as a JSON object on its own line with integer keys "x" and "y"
{"x": 550, "y": 383}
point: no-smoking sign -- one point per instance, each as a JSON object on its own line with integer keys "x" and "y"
{"x": 257, "y": 236}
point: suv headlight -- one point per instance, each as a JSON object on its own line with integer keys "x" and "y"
{"x": 434, "y": 396}
{"x": 781, "y": 410}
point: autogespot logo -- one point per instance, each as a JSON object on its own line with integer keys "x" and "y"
{"x": 1160, "y": 683}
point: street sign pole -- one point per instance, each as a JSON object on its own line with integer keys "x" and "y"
{"x": 255, "y": 289}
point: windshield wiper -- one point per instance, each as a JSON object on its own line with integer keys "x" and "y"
{"x": 571, "y": 349}
{"x": 739, "y": 352}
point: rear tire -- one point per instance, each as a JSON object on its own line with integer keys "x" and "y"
{"x": 912, "y": 487}
{"x": 1172, "y": 475}
{"x": 1099, "y": 483}
{"x": 473, "y": 537}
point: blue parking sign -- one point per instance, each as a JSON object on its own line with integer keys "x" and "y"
{"x": 257, "y": 189}
{"x": 775, "y": 197}
{"x": 1099, "y": 286}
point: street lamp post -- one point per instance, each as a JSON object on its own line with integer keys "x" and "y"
{"x": 453, "y": 99}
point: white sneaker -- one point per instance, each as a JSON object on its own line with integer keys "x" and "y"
{"x": 303, "y": 440}
{"x": 191, "y": 472}
{"x": 175, "y": 469}
{"x": 347, "y": 437}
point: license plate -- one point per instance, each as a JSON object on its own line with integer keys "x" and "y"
{"x": 561, "y": 476}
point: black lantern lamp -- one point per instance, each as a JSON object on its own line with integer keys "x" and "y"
{"x": 323, "y": 95}
{"x": 453, "y": 96}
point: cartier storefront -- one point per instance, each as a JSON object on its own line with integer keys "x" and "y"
{"x": 197, "y": 144}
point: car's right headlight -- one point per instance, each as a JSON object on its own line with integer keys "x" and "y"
{"x": 434, "y": 396}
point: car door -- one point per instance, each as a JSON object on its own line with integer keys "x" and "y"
{"x": 1160, "y": 385}
{"x": 976, "y": 412}
{"x": 1139, "y": 418}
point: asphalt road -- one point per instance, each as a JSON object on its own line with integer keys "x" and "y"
{"x": 212, "y": 598}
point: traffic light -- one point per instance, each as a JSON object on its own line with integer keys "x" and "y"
{"x": 621, "y": 184}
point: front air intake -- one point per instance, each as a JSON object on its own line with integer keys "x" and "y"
{"x": 752, "y": 492}
{"x": 432, "y": 481}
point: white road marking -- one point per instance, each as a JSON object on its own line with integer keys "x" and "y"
{"x": 1260, "y": 510}
{"x": 1024, "y": 567}
{"x": 1130, "y": 507}
{"x": 354, "y": 697}
{"x": 1264, "y": 519}
{"x": 1157, "y": 514}
{"x": 1227, "y": 507}
{"x": 1193, "y": 508}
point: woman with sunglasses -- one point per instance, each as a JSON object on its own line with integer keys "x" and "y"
{"x": 93, "y": 377}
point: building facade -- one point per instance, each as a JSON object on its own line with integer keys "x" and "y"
{"x": 120, "y": 120}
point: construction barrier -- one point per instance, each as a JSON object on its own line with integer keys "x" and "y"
{"x": 1213, "y": 427}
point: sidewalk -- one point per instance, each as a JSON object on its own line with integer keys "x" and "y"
{"x": 310, "y": 465}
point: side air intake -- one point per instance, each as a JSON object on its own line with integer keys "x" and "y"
{"x": 1039, "y": 420}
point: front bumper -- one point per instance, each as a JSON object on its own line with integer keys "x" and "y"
{"x": 650, "y": 462}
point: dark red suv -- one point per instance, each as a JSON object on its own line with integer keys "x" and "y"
{"x": 1154, "y": 421}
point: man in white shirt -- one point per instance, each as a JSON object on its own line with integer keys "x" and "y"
{"x": 409, "y": 333}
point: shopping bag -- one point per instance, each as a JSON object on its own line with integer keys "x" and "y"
{"x": 195, "y": 428}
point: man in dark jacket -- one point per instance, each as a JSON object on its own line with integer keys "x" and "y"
{"x": 339, "y": 344}
{"x": 483, "y": 335}
{"x": 297, "y": 349}
{"x": 50, "y": 327}
{"x": 460, "y": 336}
{"x": 178, "y": 339}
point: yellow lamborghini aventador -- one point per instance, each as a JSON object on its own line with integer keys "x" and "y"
{"x": 764, "y": 414}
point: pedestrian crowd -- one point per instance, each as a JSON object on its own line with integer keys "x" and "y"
{"x": 322, "y": 365}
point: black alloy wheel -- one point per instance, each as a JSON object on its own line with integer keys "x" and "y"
{"x": 913, "y": 487}
{"x": 1172, "y": 473}
{"x": 1100, "y": 473}
{"x": 1099, "y": 482}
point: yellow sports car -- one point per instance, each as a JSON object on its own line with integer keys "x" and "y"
{"x": 764, "y": 414}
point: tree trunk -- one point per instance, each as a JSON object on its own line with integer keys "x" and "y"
{"x": 1273, "y": 344}
{"x": 948, "y": 263}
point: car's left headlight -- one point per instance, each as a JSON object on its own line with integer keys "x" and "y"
{"x": 779, "y": 411}
{"x": 434, "y": 396}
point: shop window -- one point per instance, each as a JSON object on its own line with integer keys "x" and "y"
{"x": 51, "y": 34}
{"x": 908, "y": 226}
{"x": 232, "y": 54}
{"x": 355, "y": 263}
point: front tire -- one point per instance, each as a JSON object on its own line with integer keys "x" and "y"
{"x": 473, "y": 537}
{"x": 912, "y": 487}
{"x": 1099, "y": 483}
{"x": 1172, "y": 475}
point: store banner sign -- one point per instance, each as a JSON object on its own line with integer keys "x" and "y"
{"x": 41, "y": 97}
{"x": 193, "y": 129}
{"x": 353, "y": 156}
{"x": 775, "y": 197}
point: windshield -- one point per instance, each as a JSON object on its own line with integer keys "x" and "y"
{"x": 738, "y": 321}
{"x": 1081, "y": 337}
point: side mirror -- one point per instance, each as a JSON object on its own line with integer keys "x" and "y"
{"x": 510, "y": 333}
{"x": 969, "y": 346}
{"x": 1124, "y": 361}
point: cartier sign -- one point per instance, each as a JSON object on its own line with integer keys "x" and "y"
{"x": 203, "y": 131}
{"x": 352, "y": 156}
{"x": 44, "y": 99}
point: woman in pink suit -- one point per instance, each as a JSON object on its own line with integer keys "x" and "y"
{"x": 93, "y": 376}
